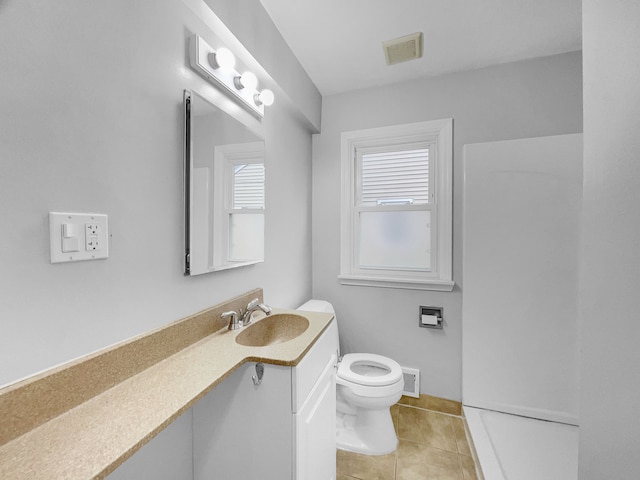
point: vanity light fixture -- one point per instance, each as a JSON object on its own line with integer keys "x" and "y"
{"x": 218, "y": 66}
{"x": 222, "y": 58}
{"x": 246, "y": 80}
{"x": 265, "y": 97}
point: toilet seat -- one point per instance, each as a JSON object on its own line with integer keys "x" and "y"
{"x": 369, "y": 369}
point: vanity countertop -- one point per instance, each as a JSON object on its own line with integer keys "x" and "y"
{"x": 91, "y": 438}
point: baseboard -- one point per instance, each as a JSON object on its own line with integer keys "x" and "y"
{"x": 437, "y": 404}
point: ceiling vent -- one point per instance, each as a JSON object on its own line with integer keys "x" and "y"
{"x": 402, "y": 49}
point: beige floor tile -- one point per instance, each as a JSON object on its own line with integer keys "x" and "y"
{"x": 468, "y": 468}
{"x": 420, "y": 462}
{"x": 366, "y": 467}
{"x": 461, "y": 436}
{"x": 433, "y": 446}
{"x": 426, "y": 428}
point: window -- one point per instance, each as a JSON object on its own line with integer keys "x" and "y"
{"x": 239, "y": 187}
{"x": 397, "y": 205}
{"x": 246, "y": 212}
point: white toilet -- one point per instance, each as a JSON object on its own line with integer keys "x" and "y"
{"x": 366, "y": 385}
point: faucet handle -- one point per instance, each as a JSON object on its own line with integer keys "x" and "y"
{"x": 253, "y": 303}
{"x": 233, "y": 323}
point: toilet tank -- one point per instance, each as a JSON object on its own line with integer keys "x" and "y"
{"x": 317, "y": 306}
{"x": 314, "y": 305}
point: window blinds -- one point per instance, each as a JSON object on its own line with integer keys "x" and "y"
{"x": 248, "y": 186}
{"x": 395, "y": 178}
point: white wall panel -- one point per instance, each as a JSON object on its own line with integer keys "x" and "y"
{"x": 522, "y": 207}
{"x": 610, "y": 278}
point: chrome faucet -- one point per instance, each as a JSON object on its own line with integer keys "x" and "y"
{"x": 252, "y": 307}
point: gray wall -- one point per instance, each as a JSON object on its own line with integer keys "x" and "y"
{"x": 609, "y": 435}
{"x": 91, "y": 121}
{"x": 517, "y": 100}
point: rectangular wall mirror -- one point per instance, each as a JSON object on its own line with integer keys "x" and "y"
{"x": 224, "y": 189}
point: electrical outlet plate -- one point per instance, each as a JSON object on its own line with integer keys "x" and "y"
{"x": 75, "y": 237}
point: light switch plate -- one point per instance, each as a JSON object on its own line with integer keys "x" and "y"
{"x": 87, "y": 232}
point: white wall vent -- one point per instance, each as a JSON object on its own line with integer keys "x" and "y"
{"x": 411, "y": 382}
{"x": 402, "y": 49}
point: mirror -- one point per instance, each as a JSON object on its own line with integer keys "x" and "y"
{"x": 224, "y": 189}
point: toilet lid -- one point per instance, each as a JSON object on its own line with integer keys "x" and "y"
{"x": 369, "y": 369}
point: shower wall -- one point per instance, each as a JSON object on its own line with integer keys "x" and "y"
{"x": 522, "y": 207}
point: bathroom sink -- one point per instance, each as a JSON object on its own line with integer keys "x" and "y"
{"x": 274, "y": 329}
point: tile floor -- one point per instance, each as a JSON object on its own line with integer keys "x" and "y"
{"x": 432, "y": 445}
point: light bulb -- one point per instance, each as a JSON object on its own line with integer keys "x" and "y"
{"x": 265, "y": 97}
{"x": 222, "y": 58}
{"x": 247, "y": 80}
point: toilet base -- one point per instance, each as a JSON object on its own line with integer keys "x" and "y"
{"x": 369, "y": 432}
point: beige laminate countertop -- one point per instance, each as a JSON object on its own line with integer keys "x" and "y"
{"x": 92, "y": 438}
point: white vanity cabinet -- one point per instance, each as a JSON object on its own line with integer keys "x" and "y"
{"x": 242, "y": 431}
{"x": 283, "y": 428}
{"x": 314, "y": 408}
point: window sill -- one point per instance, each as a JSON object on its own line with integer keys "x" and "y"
{"x": 230, "y": 265}
{"x": 404, "y": 283}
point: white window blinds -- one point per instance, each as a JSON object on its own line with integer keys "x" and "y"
{"x": 395, "y": 178}
{"x": 248, "y": 186}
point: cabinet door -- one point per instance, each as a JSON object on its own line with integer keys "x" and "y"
{"x": 243, "y": 431}
{"x": 316, "y": 429}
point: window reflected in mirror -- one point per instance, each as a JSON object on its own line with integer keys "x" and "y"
{"x": 225, "y": 190}
{"x": 246, "y": 215}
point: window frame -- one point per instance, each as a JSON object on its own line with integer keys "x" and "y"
{"x": 438, "y": 133}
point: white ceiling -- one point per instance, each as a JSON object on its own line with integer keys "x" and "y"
{"x": 339, "y": 42}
